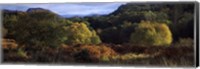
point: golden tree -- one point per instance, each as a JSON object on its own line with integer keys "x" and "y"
{"x": 151, "y": 33}
{"x": 79, "y": 33}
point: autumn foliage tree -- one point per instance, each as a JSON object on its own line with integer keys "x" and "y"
{"x": 151, "y": 33}
{"x": 79, "y": 33}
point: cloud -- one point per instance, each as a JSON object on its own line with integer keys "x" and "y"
{"x": 69, "y": 8}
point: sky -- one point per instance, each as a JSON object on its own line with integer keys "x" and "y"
{"x": 72, "y": 9}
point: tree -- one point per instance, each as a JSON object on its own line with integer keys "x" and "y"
{"x": 39, "y": 28}
{"x": 160, "y": 17}
{"x": 149, "y": 33}
{"x": 118, "y": 34}
{"x": 79, "y": 33}
{"x": 183, "y": 21}
{"x": 9, "y": 21}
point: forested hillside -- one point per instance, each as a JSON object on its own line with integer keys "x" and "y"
{"x": 135, "y": 33}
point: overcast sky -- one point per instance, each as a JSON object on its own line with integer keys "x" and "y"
{"x": 69, "y": 8}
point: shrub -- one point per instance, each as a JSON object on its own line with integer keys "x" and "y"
{"x": 21, "y": 53}
{"x": 79, "y": 33}
{"x": 185, "y": 42}
{"x": 4, "y": 32}
{"x": 9, "y": 44}
{"x": 148, "y": 33}
{"x": 95, "y": 53}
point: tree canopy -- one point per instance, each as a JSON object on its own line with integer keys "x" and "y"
{"x": 79, "y": 33}
{"x": 148, "y": 33}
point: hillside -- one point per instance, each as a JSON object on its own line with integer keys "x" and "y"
{"x": 136, "y": 34}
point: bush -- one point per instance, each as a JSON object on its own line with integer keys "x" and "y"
{"x": 95, "y": 53}
{"x": 22, "y": 53}
{"x": 79, "y": 33}
{"x": 185, "y": 42}
{"x": 9, "y": 44}
{"x": 148, "y": 33}
{"x": 4, "y": 32}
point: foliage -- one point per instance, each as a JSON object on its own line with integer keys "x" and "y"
{"x": 4, "y": 32}
{"x": 148, "y": 33}
{"x": 9, "y": 22}
{"x": 78, "y": 33}
{"x": 184, "y": 27}
{"x": 37, "y": 28}
{"x": 157, "y": 17}
{"x": 118, "y": 35}
{"x": 37, "y": 31}
{"x": 185, "y": 42}
{"x": 22, "y": 53}
{"x": 9, "y": 44}
{"x": 179, "y": 17}
{"x": 95, "y": 53}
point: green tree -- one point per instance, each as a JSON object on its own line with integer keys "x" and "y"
{"x": 38, "y": 28}
{"x": 9, "y": 22}
{"x": 148, "y": 33}
{"x": 160, "y": 17}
